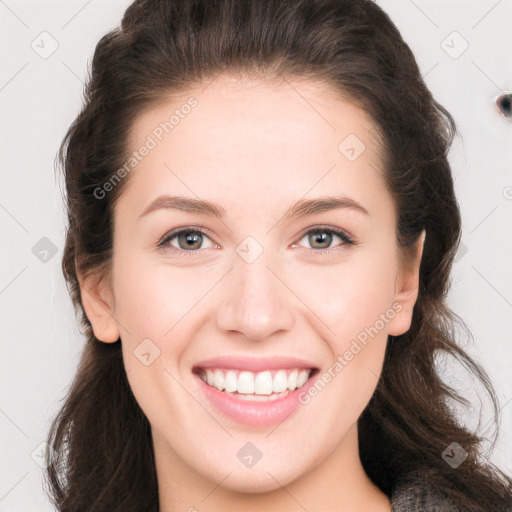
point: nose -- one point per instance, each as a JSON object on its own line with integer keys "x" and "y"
{"x": 256, "y": 303}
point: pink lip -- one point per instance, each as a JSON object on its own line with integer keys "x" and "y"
{"x": 256, "y": 414}
{"x": 254, "y": 363}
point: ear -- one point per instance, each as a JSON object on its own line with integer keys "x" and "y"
{"x": 98, "y": 303}
{"x": 406, "y": 291}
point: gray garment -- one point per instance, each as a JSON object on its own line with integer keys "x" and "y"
{"x": 414, "y": 498}
{"x": 422, "y": 498}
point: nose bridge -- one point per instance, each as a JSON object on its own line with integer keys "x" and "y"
{"x": 256, "y": 303}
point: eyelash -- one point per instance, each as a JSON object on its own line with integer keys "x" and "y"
{"x": 164, "y": 242}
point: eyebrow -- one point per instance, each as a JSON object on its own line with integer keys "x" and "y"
{"x": 185, "y": 204}
{"x": 301, "y": 208}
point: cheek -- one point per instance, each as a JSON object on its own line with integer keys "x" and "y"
{"x": 152, "y": 298}
{"x": 356, "y": 302}
{"x": 153, "y": 303}
{"x": 351, "y": 296}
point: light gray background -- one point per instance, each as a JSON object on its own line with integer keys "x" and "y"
{"x": 40, "y": 97}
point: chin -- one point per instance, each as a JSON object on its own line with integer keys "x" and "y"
{"x": 255, "y": 482}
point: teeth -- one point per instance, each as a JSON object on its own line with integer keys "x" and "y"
{"x": 245, "y": 383}
{"x": 218, "y": 380}
{"x": 231, "y": 382}
{"x": 280, "y": 382}
{"x": 292, "y": 380}
{"x": 263, "y": 384}
{"x": 255, "y": 384}
{"x": 302, "y": 377}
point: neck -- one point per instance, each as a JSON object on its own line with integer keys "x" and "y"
{"x": 338, "y": 483}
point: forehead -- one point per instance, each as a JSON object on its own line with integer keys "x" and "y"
{"x": 225, "y": 104}
{"x": 251, "y": 137}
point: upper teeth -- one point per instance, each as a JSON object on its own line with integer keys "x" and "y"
{"x": 259, "y": 383}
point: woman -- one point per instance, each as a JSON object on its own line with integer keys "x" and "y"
{"x": 261, "y": 228}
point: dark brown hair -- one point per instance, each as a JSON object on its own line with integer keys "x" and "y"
{"x": 103, "y": 456}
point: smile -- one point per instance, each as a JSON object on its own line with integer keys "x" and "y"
{"x": 262, "y": 385}
{"x": 254, "y": 391}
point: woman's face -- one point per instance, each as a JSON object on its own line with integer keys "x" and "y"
{"x": 251, "y": 297}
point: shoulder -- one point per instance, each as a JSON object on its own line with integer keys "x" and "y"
{"x": 415, "y": 497}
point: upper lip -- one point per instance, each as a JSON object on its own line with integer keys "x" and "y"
{"x": 251, "y": 363}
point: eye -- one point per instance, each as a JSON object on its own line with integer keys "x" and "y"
{"x": 189, "y": 240}
{"x": 321, "y": 238}
{"x": 185, "y": 240}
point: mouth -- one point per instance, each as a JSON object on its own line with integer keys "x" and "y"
{"x": 266, "y": 385}
{"x": 257, "y": 392}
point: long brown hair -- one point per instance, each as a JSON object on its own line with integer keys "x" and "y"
{"x": 102, "y": 454}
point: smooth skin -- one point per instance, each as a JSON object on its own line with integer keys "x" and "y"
{"x": 254, "y": 149}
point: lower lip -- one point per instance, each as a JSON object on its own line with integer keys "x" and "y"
{"x": 248, "y": 412}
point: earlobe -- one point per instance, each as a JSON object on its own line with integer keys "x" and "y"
{"x": 98, "y": 304}
{"x": 406, "y": 292}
